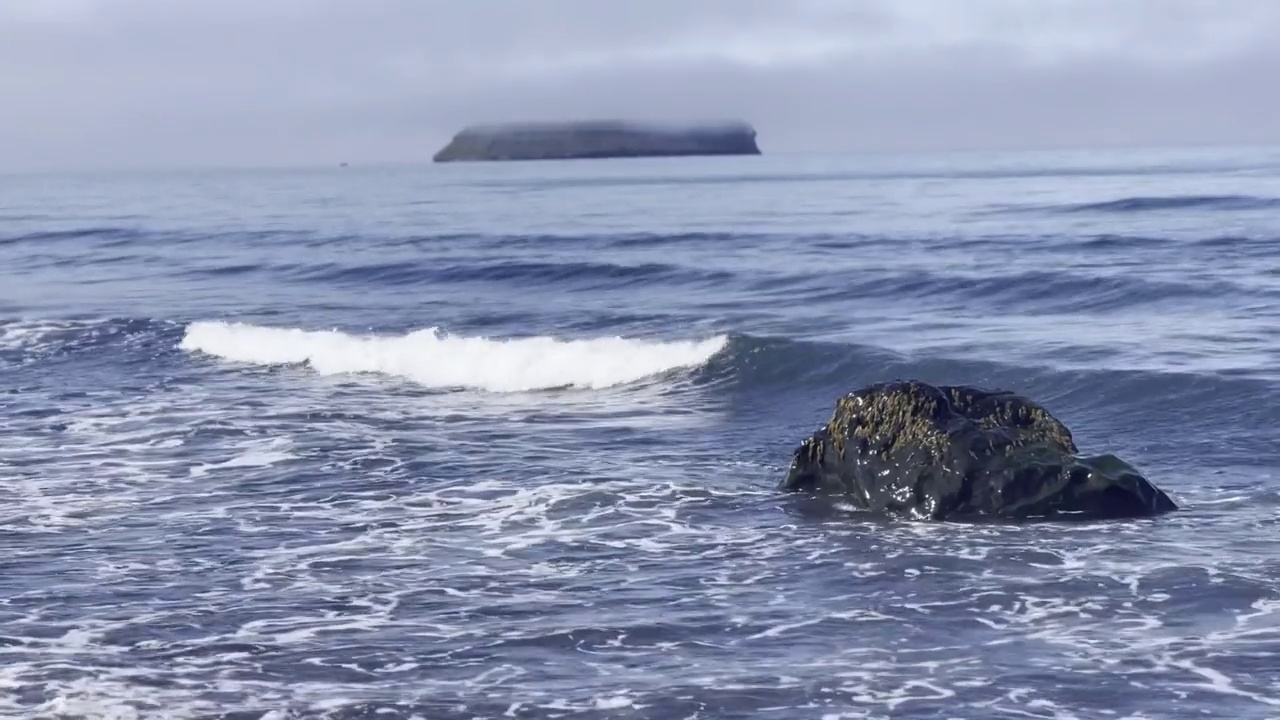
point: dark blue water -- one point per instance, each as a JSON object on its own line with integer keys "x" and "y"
{"x": 501, "y": 440}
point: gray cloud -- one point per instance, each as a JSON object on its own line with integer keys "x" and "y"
{"x": 156, "y": 82}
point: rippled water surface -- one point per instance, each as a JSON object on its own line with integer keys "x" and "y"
{"x": 502, "y": 440}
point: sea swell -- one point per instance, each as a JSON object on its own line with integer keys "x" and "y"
{"x": 96, "y": 233}
{"x": 769, "y": 372}
{"x": 1031, "y": 291}
{"x": 1192, "y": 408}
{"x": 444, "y": 359}
{"x": 1174, "y": 202}
{"x": 763, "y": 362}
{"x": 577, "y": 274}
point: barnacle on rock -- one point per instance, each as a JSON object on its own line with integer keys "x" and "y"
{"x": 927, "y": 451}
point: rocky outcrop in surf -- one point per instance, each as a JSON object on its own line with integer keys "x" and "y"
{"x": 597, "y": 139}
{"x": 950, "y": 452}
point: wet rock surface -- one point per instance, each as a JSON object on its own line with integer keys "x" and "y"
{"x": 949, "y": 452}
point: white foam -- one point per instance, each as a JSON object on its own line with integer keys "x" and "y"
{"x": 29, "y": 334}
{"x": 255, "y": 455}
{"x": 615, "y": 702}
{"x": 433, "y": 359}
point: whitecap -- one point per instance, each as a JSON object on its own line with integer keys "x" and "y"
{"x": 434, "y": 359}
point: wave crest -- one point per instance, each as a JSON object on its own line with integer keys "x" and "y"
{"x": 1178, "y": 202}
{"x": 434, "y": 359}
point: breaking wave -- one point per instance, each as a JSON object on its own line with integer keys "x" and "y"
{"x": 431, "y": 358}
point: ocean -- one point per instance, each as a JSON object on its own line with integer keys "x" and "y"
{"x": 502, "y": 440}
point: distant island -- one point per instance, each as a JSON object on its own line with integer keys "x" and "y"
{"x": 597, "y": 139}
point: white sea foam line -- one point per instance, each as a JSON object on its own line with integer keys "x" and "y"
{"x": 1219, "y": 683}
{"x": 436, "y": 360}
{"x": 254, "y": 455}
{"x": 780, "y": 629}
{"x": 29, "y": 334}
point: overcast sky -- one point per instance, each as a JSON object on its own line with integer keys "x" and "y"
{"x": 264, "y": 82}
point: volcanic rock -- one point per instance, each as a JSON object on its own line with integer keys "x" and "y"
{"x": 948, "y": 452}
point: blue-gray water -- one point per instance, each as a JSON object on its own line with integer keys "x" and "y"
{"x": 241, "y": 476}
